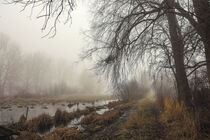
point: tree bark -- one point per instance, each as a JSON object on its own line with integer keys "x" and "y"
{"x": 202, "y": 11}
{"x": 184, "y": 93}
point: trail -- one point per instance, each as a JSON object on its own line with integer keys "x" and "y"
{"x": 107, "y": 132}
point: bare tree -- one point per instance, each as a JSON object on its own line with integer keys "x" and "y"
{"x": 10, "y": 58}
{"x": 197, "y": 12}
{"x": 129, "y": 31}
{"x": 51, "y": 11}
{"x": 126, "y": 32}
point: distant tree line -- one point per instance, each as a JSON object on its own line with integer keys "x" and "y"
{"x": 35, "y": 73}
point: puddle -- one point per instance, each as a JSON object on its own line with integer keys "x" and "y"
{"x": 13, "y": 114}
{"x": 76, "y": 123}
{"x": 103, "y": 110}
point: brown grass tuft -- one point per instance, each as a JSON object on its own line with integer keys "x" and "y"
{"x": 114, "y": 104}
{"x": 28, "y": 136}
{"x": 38, "y": 124}
{"x": 61, "y": 117}
{"x": 64, "y": 133}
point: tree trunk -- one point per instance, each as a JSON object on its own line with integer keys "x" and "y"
{"x": 202, "y": 11}
{"x": 184, "y": 93}
{"x": 207, "y": 54}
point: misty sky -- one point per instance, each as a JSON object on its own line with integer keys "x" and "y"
{"x": 26, "y": 32}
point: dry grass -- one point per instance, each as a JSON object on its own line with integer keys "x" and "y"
{"x": 25, "y": 135}
{"x": 38, "y": 124}
{"x": 180, "y": 124}
{"x": 175, "y": 122}
{"x": 94, "y": 122}
{"x": 45, "y": 122}
{"x": 114, "y": 104}
{"x": 63, "y": 117}
{"x": 143, "y": 124}
{"x": 64, "y": 133}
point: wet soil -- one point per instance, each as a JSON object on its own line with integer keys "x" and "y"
{"x": 107, "y": 132}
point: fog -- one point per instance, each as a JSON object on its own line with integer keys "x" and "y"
{"x": 48, "y": 65}
{"x": 26, "y": 31}
{"x": 45, "y": 65}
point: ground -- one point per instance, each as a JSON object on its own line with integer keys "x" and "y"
{"x": 108, "y": 132}
{"x": 141, "y": 119}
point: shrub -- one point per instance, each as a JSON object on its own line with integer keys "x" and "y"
{"x": 131, "y": 90}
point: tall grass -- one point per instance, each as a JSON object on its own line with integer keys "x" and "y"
{"x": 143, "y": 124}
{"x": 180, "y": 124}
{"x": 174, "y": 122}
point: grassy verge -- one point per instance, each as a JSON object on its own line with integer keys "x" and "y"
{"x": 174, "y": 122}
{"x": 143, "y": 124}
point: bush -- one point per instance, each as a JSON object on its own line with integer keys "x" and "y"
{"x": 131, "y": 90}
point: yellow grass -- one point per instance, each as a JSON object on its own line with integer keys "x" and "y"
{"x": 181, "y": 125}
{"x": 64, "y": 133}
{"x": 142, "y": 125}
{"x": 38, "y": 124}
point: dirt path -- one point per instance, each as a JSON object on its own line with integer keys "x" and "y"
{"x": 106, "y": 133}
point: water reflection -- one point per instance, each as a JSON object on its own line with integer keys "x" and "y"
{"x": 12, "y": 115}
